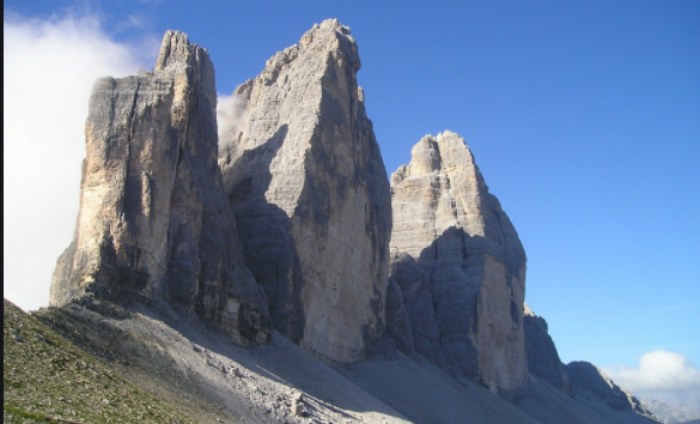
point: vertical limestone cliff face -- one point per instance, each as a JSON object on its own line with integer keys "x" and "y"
{"x": 542, "y": 356}
{"x": 154, "y": 221}
{"x": 459, "y": 264}
{"x": 307, "y": 184}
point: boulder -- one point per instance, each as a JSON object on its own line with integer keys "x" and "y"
{"x": 154, "y": 222}
{"x": 459, "y": 264}
{"x": 311, "y": 197}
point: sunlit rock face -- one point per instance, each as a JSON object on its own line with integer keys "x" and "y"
{"x": 154, "y": 221}
{"x": 307, "y": 184}
{"x": 459, "y": 264}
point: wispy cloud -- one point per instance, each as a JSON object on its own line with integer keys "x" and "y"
{"x": 132, "y": 22}
{"x": 231, "y": 112}
{"x": 49, "y": 67}
{"x": 658, "y": 371}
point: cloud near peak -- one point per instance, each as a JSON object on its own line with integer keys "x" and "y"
{"x": 658, "y": 371}
{"x": 49, "y": 67}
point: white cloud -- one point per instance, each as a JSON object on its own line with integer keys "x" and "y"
{"x": 658, "y": 371}
{"x": 49, "y": 67}
{"x": 230, "y": 114}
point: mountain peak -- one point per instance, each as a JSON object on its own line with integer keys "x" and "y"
{"x": 176, "y": 49}
{"x": 308, "y": 187}
{"x": 459, "y": 264}
{"x": 154, "y": 222}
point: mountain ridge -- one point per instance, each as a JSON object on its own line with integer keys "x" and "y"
{"x": 278, "y": 240}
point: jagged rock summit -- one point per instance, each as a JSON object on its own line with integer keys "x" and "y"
{"x": 459, "y": 264}
{"x": 154, "y": 221}
{"x": 308, "y": 186}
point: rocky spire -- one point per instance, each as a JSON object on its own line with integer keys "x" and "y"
{"x": 154, "y": 222}
{"x": 310, "y": 193}
{"x": 459, "y": 264}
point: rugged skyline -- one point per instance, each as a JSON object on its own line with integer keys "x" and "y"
{"x": 304, "y": 180}
{"x": 597, "y": 168}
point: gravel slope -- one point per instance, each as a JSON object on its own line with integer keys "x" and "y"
{"x": 208, "y": 379}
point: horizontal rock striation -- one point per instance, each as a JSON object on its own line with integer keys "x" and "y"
{"x": 308, "y": 187}
{"x": 459, "y": 264}
{"x": 154, "y": 221}
{"x": 542, "y": 356}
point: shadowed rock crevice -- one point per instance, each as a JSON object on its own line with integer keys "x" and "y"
{"x": 247, "y": 181}
{"x": 398, "y": 325}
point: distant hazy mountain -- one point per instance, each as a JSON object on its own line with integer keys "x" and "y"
{"x": 674, "y": 408}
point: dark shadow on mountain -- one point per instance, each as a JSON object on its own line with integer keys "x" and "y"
{"x": 591, "y": 385}
{"x": 441, "y": 294}
{"x": 264, "y": 231}
{"x": 542, "y": 357}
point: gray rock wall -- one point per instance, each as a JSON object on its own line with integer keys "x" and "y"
{"x": 460, "y": 265}
{"x": 397, "y": 323}
{"x": 154, "y": 221}
{"x": 590, "y": 384}
{"x": 542, "y": 356}
{"x": 307, "y": 184}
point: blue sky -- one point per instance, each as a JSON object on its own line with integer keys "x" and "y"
{"x": 584, "y": 118}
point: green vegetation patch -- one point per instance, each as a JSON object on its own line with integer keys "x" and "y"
{"x": 48, "y": 379}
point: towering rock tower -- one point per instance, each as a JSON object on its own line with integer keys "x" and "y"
{"x": 154, "y": 221}
{"x": 459, "y": 264}
{"x": 307, "y": 184}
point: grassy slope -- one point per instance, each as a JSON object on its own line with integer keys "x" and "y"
{"x": 57, "y": 379}
{"x": 139, "y": 358}
{"x": 46, "y": 378}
